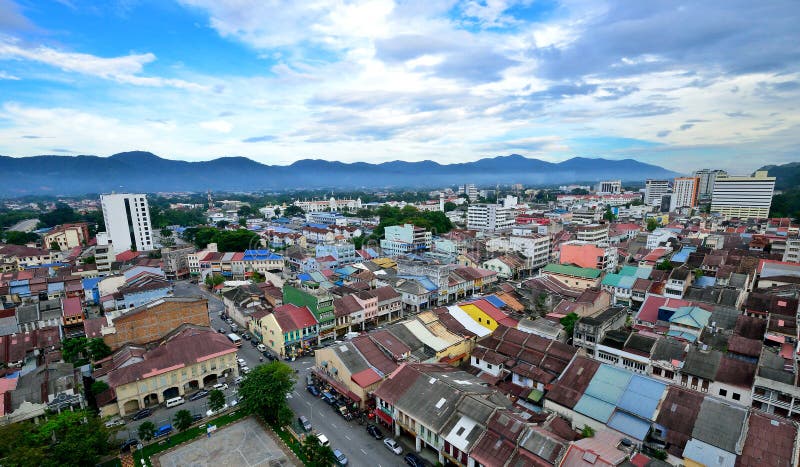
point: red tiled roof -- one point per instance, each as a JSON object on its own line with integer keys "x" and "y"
{"x": 374, "y": 355}
{"x": 572, "y": 384}
{"x": 494, "y": 312}
{"x": 365, "y": 378}
{"x": 72, "y": 307}
{"x": 126, "y": 256}
{"x": 770, "y": 441}
{"x": 292, "y": 317}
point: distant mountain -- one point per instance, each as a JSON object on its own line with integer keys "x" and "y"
{"x": 146, "y": 172}
{"x": 788, "y": 175}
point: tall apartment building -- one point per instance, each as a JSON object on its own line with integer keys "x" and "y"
{"x": 743, "y": 197}
{"x": 592, "y": 233}
{"x": 127, "y": 218}
{"x": 705, "y": 187}
{"x": 489, "y": 217}
{"x": 654, "y": 190}
{"x": 470, "y": 190}
{"x": 684, "y": 193}
{"x": 104, "y": 254}
{"x": 407, "y": 238}
{"x": 610, "y": 187}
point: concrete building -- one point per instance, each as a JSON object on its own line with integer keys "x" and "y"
{"x": 592, "y": 233}
{"x": 470, "y": 190}
{"x": 610, "y": 187}
{"x": 127, "y": 219}
{"x": 403, "y": 239}
{"x": 319, "y": 301}
{"x": 588, "y": 255}
{"x": 103, "y": 254}
{"x": 706, "y": 179}
{"x": 684, "y": 193}
{"x": 654, "y": 191}
{"x": 743, "y": 197}
{"x": 67, "y": 236}
{"x": 489, "y": 217}
{"x": 331, "y": 204}
{"x": 154, "y": 320}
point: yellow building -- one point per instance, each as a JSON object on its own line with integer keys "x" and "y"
{"x": 188, "y": 360}
{"x": 487, "y": 315}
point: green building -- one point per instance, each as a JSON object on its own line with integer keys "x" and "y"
{"x": 319, "y": 301}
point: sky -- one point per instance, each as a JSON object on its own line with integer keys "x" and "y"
{"x": 684, "y": 85}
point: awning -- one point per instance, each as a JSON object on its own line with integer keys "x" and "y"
{"x": 384, "y": 416}
{"x": 342, "y": 389}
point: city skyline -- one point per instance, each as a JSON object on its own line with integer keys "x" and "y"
{"x": 375, "y": 81}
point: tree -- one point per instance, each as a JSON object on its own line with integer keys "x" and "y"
{"x": 98, "y": 348}
{"x": 665, "y": 265}
{"x": 609, "y": 215}
{"x": 358, "y": 242}
{"x": 183, "y": 420}
{"x": 54, "y": 245}
{"x": 73, "y": 349}
{"x": 264, "y": 390}
{"x": 89, "y": 260}
{"x": 213, "y": 280}
{"x": 72, "y": 438}
{"x": 246, "y": 211}
{"x": 223, "y": 224}
{"x": 236, "y": 240}
{"x": 293, "y": 210}
{"x": 449, "y": 206}
{"x": 203, "y": 236}
{"x": 651, "y": 224}
{"x": 216, "y": 400}
{"x": 15, "y": 237}
{"x": 587, "y": 431}
{"x": 62, "y": 214}
{"x": 98, "y": 387}
{"x": 698, "y": 273}
{"x": 146, "y": 431}
{"x": 316, "y": 454}
{"x": 569, "y": 323}
{"x": 165, "y": 232}
{"x": 258, "y": 278}
{"x": 579, "y": 191}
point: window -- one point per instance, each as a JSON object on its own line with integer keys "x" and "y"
{"x": 723, "y": 392}
{"x": 489, "y": 366}
{"x": 736, "y": 396}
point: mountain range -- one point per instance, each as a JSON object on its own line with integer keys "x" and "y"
{"x": 145, "y": 172}
{"x": 787, "y": 176}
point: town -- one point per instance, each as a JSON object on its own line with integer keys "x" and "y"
{"x": 607, "y": 324}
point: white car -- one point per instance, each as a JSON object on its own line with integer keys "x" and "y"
{"x": 393, "y": 446}
{"x": 244, "y": 370}
{"x": 210, "y": 412}
{"x": 241, "y": 362}
{"x": 221, "y": 386}
{"x": 261, "y": 347}
{"x": 115, "y": 422}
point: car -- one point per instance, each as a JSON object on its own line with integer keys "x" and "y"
{"x": 238, "y": 380}
{"x": 144, "y": 413}
{"x": 210, "y": 412}
{"x": 127, "y": 445}
{"x": 241, "y": 362}
{"x": 221, "y": 331}
{"x": 303, "y": 421}
{"x": 341, "y": 459}
{"x": 393, "y": 446}
{"x": 246, "y": 336}
{"x": 116, "y": 421}
{"x": 261, "y": 347}
{"x": 163, "y": 431}
{"x": 375, "y": 432}
{"x": 323, "y": 440}
{"x": 312, "y": 390}
{"x": 245, "y": 370}
{"x": 254, "y": 343}
{"x": 234, "y": 403}
{"x": 221, "y": 386}
{"x": 197, "y": 417}
{"x": 414, "y": 460}
{"x": 198, "y": 395}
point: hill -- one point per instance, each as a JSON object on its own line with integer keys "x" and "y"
{"x": 146, "y": 172}
{"x": 787, "y": 175}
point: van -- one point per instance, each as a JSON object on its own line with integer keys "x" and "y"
{"x": 175, "y": 401}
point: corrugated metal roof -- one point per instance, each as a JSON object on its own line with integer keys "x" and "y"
{"x": 642, "y": 396}
{"x": 494, "y": 300}
{"x": 609, "y": 383}
{"x": 630, "y": 425}
{"x": 594, "y": 408}
{"x": 425, "y": 336}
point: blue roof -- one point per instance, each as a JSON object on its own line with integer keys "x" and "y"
{"x": 346, "y": 271}
{"x": 495, "y": 300}
{"x": 304, "y": 277}
{"x": 705, "y": 281}
{"x": 682, "y": 335}
{"x": 55, "y": 287}
{"x": 281, "y": 220}
{"x": 609, "y": 383}
{"x": 642, "y": 396}
{"x": 260, "y": 255}
{"x": 424, "y": 281}
{"x": 630, "y": 425}
{"x": 691, "y": 316}
{"x": 317, "y": 226}
{"x": 372, "y": 252}
{"x": 279, "y": 229}
{"x": 90, "y": 282}
{"x": 594, "y": 408}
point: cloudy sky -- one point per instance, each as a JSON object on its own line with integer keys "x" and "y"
{"x": 681, "y": 84}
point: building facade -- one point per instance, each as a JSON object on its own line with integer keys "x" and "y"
{"x": 654, "y": 191}
{"x": 489, "y": 217}
{"x": 743, "y": 197}
{"x": 155, "y": 320}
{"x": 706, "y": 179}
{"x": 684, "y": 192}
{"x": 127, "y": 219}
{"x": 403, "y": 239}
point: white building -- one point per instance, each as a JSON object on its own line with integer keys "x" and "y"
{"x": 610, "y": 187}
{"x": 592, "y": 233}
{"x": 792, "y": 253}
{"x": 331, "y": 204}
{"x": 684, "y": 193}
{"x": 470, "y": 190}
{"x": 407, "y": 238}
{"x": 104, "y": 254}
{"x": 706, "y": 182}
{"x": 536, "y": 248}
{"x": 489, "y": 217}
{"x": 743, "y": 197}
{"x": 654, "y": 190}
{"x": 127, "y": 218}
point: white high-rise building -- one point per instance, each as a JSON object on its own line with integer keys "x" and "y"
{"x": 489, "y": 217}
{"x": 743, "y": 197}
{"x": 127, "y": 218}
{"x": 470, "y": 190}
{"x": 654, "y": 190}
{"x": 610, "y": 187}
{"x": 705, "y": 187}
{"x": 684, "y": 193}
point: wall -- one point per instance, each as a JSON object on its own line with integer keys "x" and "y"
{"x": 155, "y": 322}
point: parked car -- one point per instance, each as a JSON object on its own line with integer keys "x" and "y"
{"x": 414, "y": 460}
{"x": 312, "y": 390}
{"x": 323, "y": 440}
{"x": 261, "y": 347}
{"x": 127, "y": 445}
{"x": 303, "y": 421}
{"x": 163, "y": 430}
{"x": 341, "y": 459}
{"x": 116, "y": 421}
{"x": 238, "y": 380}
{"x": 198, "y": 395}
{"x": 221, "y": 386}
{"x": 144, "y": 413}
{"x": 221, "y": 331}
{"x": 210, "y": 412}
{"x": 374, "y": 431}
{"x": 197, "y": 417}
{"x": 246, "y": 336}
{"x": 254, "y": 343}
{"x": 241, "y": 362}
{"x": 393, "y": 446}
{"x": 244, "y": 370}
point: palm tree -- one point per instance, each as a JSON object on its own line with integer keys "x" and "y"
{"x": 146, "y": 431}
{"x": 183, "y": 420}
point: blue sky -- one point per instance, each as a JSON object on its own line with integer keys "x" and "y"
{"x": 683, "y": 85}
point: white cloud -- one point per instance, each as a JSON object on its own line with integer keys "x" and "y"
{"x": 220, "y": 126}
{"x": 8, "y": 76}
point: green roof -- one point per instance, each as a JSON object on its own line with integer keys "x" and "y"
{"x": 586, "y": 273}
{"x": 535, "y": 395}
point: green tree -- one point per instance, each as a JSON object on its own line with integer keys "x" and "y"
{"x": 292, "y": 211}
{"x": 358, "y": 242}
{"x": 609, "y": 215}
{"x": 213, "y": 280}
{"x": 264, "y": 390}
{"x": 223, "y": 224}
{"x": 165, "y": 232}
{"x": 236, "y": 240}
{"x": 89, "y": 260}
{"x": 73, "y": 438}
{"x": 62, "y": 214}
{"x": 73, "y": 349}
{"x": 579, "y": 191}
{"x": 246, "y": 211}
{"x": 15, "y": 237}
{"x": 98, "y": 348}
{"x": 183, "y": 420}
{"x": 449, "y": 206}
{"x": 54, "y": 245}
{"x": 147, "y": 431}
{"x": 216, "y": 400}
{"x": 587, "y": 431}
{"x": 257, "y": 277}
{"x": 652, "y": 224}
{"x": 698, "y": 273}
{"x": 569, "y": 323}
{"x": 203, "y": 236}
{"x": 665, "y": 265}
{"x": 98, "y": 387}
{"x": 316, "y": 454}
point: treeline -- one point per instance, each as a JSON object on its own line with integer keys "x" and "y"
{"x": 226, "y": 240}
{"x": 432, "y": 220}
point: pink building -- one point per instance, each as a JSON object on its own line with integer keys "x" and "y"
{"x": 588, "y": 255}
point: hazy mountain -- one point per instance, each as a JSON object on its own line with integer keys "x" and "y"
{"x": 787, "y": 175}
{"x": 143, "y": 171}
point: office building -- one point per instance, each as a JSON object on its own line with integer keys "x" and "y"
{"x": 403, "y": 239}
{"x": 654, "y": 190}
{"x": 127, "y": 218}
{"x": 470, "y": 190}
{"x": 684, "y": 193}
{"x": 489, "y": 217}
{"x": 610, "y": 187}
{"x": 705, "y": 186}
{"x": 743, "y": 197}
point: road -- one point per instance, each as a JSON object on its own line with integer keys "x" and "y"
{"x": 27, "y": 225}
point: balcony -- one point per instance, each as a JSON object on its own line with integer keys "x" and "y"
{"x": 767, "y": 400}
